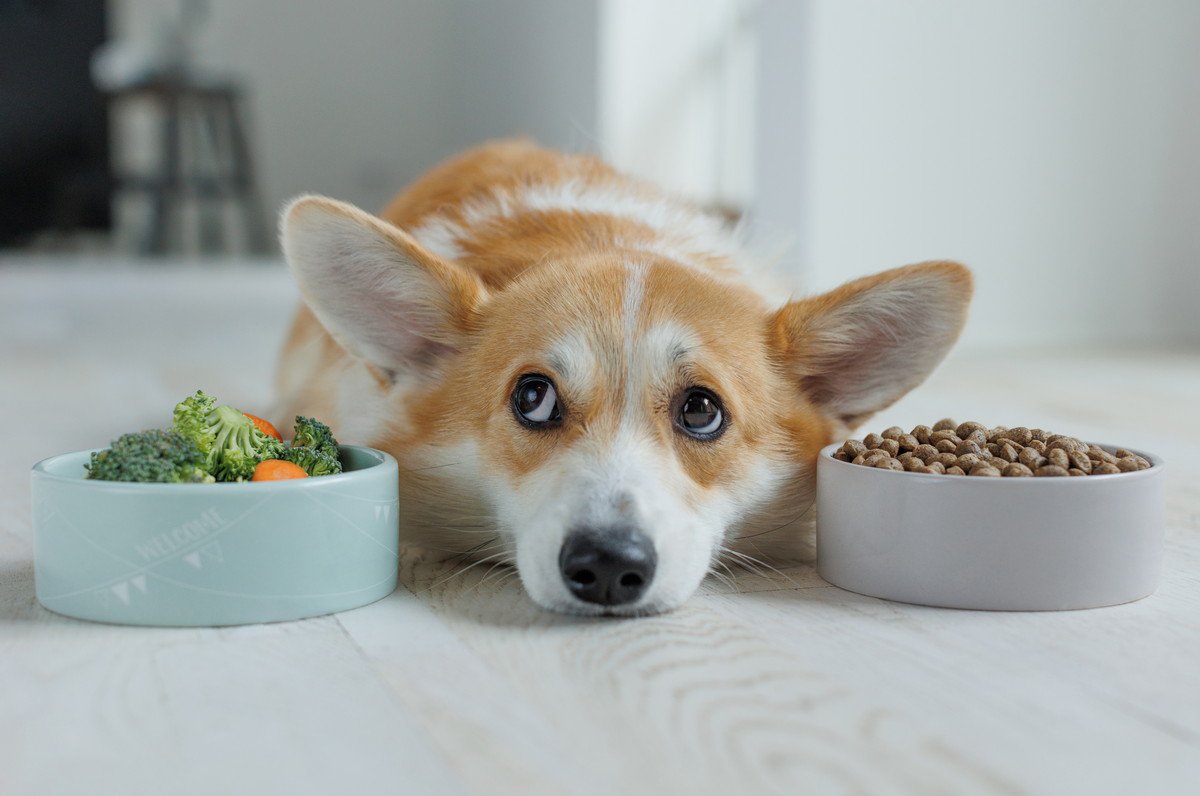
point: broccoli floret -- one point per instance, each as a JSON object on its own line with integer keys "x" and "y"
{"x": 315, "y": 462}
{"x": 314, "y": 434}
{"x": 191, "y": 419}
{"x": 164, "y": 457}
{"x": 232, "y": 444}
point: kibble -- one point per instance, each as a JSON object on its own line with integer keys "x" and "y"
{"x": 925, "y": 451}
{"x": 1031, "y": 458}
{"x": 975, "y": 450}
{"x": 968, "y": 460}
{"x": 1020, "y": 435}
{"x": 967, "y": 447}
{"x": 966, "y": 428}
{"x": 853, "y": 447}
{"x": 1127, "y": 464}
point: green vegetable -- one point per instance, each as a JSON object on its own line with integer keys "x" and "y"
{"x": 315, "y": 462}
{"x": 313, "y": 448}
{"x": 155, "y": 456}
{"x": 314, "y": 434}
{"x": 191, "y": 419}
{"x": 232, "y": 444}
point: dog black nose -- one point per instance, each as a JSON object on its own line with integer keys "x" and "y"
{"x": 607, "y": 567}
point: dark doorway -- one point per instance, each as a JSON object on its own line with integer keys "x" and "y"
{"x": 54, "y": 161}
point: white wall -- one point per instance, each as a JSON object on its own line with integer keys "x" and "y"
{"x": 355, "y": 99}
{"x": 519, "y": 67}
{"x": 1050, "y": 145}
{"x": 676, "y": 94}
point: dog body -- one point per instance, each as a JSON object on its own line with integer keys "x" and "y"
{"x": 577, "y": 375}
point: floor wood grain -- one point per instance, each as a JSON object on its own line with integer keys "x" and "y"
{"x": 774, "y": 682}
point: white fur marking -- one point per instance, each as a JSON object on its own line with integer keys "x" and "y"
{"x": 664, "y": 346}
{"x": 440, "y": 236}
{"x": 363, "y": 411}
{"x": 572, "y": 357}
{"x": 684, "y": 234}
{"x": 635, "y": 286}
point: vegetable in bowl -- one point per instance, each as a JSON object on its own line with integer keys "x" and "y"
{"x": 232, "y": 442}
{"x": 155, "y": 456}
{"x": 214, "y": 442}
{"x": 313, "y": 461}
{"x": 314, "y": 434}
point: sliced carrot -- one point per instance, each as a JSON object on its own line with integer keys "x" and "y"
{"x": 277, "y": 470}
{"x": 264, "y": 426}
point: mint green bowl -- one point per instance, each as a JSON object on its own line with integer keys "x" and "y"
{"x": 214, "y": 554}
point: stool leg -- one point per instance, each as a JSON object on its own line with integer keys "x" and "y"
{"x": 164, "y": 198}
{"x": 243, "y": 180}
{"x": 211, "y": 187}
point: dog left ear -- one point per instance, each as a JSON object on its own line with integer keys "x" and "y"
{"x": 383, "y": 296}
{"x": 859, "y": 348}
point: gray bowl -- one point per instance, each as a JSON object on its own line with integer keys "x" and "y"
{"x": 1016, "y": 544}
{"x": 214, "y": 554}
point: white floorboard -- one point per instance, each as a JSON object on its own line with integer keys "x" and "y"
{"x": 777, "y": 683}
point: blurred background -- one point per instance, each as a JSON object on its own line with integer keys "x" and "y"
{"x": 1050, "y": 144}
{"x": 146, "y": 147}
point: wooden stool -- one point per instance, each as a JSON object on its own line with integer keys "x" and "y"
{"x": 192, "y": 112}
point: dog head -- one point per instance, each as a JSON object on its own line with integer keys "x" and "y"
{"x": 627, "y": 416}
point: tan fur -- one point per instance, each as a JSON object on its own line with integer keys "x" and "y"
{"x": 524, "y": 278}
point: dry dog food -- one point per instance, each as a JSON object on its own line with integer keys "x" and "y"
{"x": 950, "y": 448}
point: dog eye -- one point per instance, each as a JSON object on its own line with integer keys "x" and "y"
{"x": 700, "y": 415}
{"x": 535, "y": 402}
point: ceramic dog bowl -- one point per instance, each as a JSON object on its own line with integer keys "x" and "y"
{"x": 214, "y": 554}
{"x": 1004, "y": 544}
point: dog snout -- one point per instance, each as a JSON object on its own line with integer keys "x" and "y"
{"x": 607, "y": 566}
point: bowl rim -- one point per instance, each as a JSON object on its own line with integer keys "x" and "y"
{"x": 41, "y": 470}
{"x": 1156, "y": 462}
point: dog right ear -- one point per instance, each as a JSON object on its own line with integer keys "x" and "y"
{"x": 382, "y": 296}
{"x": 860, "y": 347}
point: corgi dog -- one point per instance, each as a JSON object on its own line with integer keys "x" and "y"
{"x": 580, "y": 376}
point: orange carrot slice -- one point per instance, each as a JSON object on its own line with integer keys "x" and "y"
{"x": 264, "y": 426}
{"x": 277, "y": 470}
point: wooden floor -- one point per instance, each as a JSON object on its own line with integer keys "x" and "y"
{"x": 459, "y": 684}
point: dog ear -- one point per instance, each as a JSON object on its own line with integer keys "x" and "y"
{"x": 859, "y": 348}
{"x": 380, "y": 294}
